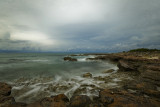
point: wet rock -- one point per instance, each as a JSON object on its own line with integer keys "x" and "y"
{"x": 70, "y": 59}
{"x": 110, "y": 57}
{"x": 124, "y": 65}
{"x": 80, "y": 101}
{"x": 96, "y": 105}
{"x": 122, "y": 97}
{"x": 5, "y": 89}
{"x": 144, "y": 89}
{"x": 18, "y": 104}
{"x": 79, "y": 91}
{"x": 100, "y": 78}
{"x": 108, "y": 71}
{"x": 86, "y": 75}
{"x": 5, "y": 98}
{"x": 55, "y": 101}
{"x": 107, "y": 100}
{"x": 6, "y": 101}
{"x": 152, "y": 75}
{"x": 61, "y": 97}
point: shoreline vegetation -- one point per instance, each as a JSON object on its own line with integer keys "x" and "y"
{"x": 142, "y": 91}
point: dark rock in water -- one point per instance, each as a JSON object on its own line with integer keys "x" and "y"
{"x": 86, "y": 75}
{"x": 100, "y": 78}
{"x": 5, "y": 89}
{"x": 108, "y": 71}
{"x": 55, "y": 101}
{"x": 80, "y": 101}
{"x": 70, "y": 59}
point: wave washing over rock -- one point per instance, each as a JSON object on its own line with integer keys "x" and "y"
{"x": 29, "y": 90}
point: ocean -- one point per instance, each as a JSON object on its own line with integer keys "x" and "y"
{"x": 37, "y": 75}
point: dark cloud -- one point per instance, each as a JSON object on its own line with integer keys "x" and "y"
{"x": 61, "y": 25}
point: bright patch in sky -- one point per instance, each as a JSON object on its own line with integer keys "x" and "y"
{"x": 32, "y": 36}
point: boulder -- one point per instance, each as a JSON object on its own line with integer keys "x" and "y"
{"x": 87, "y": 75}
{"x": 80, "y": 101}
{"x": 70, "y": 59}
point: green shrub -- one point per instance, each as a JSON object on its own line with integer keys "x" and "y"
{"x": 144, "y": 50}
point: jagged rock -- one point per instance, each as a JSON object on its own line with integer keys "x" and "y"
{"x": 5, "y": 98}
{"x": 124, "y": 65}
{"x": 144, "y": 88}
{"x": 80, "y": 101}
{"x": 5, "y": 101}
{"x": 70, "y": 59}
{"x": 18, "y": 104}
{"x": 100, "y": 78}
{"x": 55, "y": 101}
{"x": 86, "y": 75}
{"x": 5, "y": 89}
{"x": 61, "y": 97}
{"x": 122, "y": 97}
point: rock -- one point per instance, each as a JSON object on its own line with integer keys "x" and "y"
{"x": 108, "y": 71}
{"x": 107, "y": 100}
{"x": 70, "y": 59}
{"x": 100, "y": 78}
{"x": 18, "y": 104}
{"x": 124, "y": 65}
{"x": 80, "y": 101}
{"x": 5, "y": 98}
{"x": 61, "y": 97}
{"x": 5, "y": 101}
{"x": 86, "y": 75}
{"x": 5, "y": 89}
{"x": 122, "y": 97}
{"x": 110, "y": 57}
{"x": 55, "y": 101}
{"x": 144, "y": 88}
{"x": 96, "y": 105}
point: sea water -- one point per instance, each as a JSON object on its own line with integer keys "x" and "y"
{"x": 37, "y": 75}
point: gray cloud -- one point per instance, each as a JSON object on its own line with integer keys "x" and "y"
{"x": 60, "y": 25}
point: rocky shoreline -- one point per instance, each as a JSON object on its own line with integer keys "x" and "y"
{"x": 142, "y": 91}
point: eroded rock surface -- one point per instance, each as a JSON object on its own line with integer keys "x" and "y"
{"x": 70, "y": 59}
{"x": 5, "y": 98}
{"x": 87, "y": 75}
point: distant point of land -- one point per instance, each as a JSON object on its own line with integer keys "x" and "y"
{"x": 144, "y": 50}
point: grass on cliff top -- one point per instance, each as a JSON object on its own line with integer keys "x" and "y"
{"x": 144, "y": 50}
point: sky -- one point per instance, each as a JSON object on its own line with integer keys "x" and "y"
{"x": 79, "y": 25}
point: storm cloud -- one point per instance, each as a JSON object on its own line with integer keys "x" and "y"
{"x": 73, "y": 25}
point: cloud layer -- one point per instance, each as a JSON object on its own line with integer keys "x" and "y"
{"x": 90, "y": 25}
